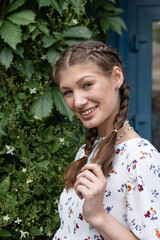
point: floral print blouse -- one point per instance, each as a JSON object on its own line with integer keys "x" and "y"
{"x": 132, "y": 195}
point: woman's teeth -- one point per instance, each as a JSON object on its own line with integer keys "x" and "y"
{"x": 88, "y": 112}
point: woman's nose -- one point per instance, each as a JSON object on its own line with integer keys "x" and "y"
{"x": 79, "y": 100}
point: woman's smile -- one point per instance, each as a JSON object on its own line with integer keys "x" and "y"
{"x": 88, "y": 113}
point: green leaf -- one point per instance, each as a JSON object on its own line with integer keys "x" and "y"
{"x": 43, "y": 105}
{"x": 6, "y": 57}
{"x": 71, "y": 42}
{"x": 4, "y": 185}
{"x": 44, "y": 3}
{"x": 1, "y": 22}
{"x": 56, "y": 6}
{"x": 52, "y": 56}
{"x": 19, "y": 51}
{"x": 117, "y": 24}
{"x": 104, "y": 24}
{"x": 32, "y": 27}
{"x": 76, "y": 4}
{"x": 44, "y": 163}
{"x": 23, "y": 17}
{"x": 11, "y": 34}
{"x": 35, "y": 232}
{"x": 24, "y": 65}
{"x": 35, "y": 34}
{"x": 5, "y": 233}
{"x": 42, "y": 27}
{"x": 11, "y": 201}
{"x": 26, "y": 155}
{"x": 14, "y": 5}
{"x": 78, "y": 32}
{"x": 60, "y": 103}
{"x": 48, "y": 41}
{"x": 2, "y": 132}
{"x": 21, "y": 176}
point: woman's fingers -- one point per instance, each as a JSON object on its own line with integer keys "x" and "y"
{"x": 96, "y": 169}
{"x": 90, "y": 181}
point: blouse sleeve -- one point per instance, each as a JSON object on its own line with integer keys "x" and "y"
{"x": 143, "y": 195}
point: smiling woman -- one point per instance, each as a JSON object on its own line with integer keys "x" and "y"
{"x": 105, "y": 195}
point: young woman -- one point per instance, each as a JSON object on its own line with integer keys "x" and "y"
{"x": 113, "y": 186}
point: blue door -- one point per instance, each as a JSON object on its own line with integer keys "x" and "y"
{"x": 144, "y": 67}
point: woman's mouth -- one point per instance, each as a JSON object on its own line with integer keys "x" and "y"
{"x": 88, "y": 112}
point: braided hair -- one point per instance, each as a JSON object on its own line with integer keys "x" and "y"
{"x": 106, "y": 58}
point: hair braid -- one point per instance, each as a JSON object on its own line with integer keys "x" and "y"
{"x": 75, "y": 167}
{"x": 106, "y": 148}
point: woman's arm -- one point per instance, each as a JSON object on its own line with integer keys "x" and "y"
{"x": 91, "y": 185}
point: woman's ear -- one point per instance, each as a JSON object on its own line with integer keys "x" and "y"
{"x": 118, "y": 77}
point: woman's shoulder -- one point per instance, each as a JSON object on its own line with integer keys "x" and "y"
{"x": 141, "y": 156}
{"x": 136, "y": 145}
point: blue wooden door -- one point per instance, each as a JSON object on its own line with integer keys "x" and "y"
{"x": 144, "y": 67}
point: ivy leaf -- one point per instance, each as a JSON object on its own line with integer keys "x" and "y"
{"x": 11, "y": 34}
{"x": 6, "y": 57}
{"x": 5, "y": 233}
{"x": 23, "y": 17}
{"x": 24, "y": 65}
{"x": 14, "y": 5}
{"x": 78, "y": 32}
{"x": 35, "y": 232}
{"x": 52, "y": 56}
{"x": 60, "y": 103}
{"x": 56, "y": 6}
{"x": 44, "y": 3}
{"x": 48, "y": 41}
{"x": 43, "y": 105}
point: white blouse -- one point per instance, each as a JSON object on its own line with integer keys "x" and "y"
{"x": 132, "y": 195}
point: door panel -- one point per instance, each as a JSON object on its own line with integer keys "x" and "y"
{"x": 144, "y": 67}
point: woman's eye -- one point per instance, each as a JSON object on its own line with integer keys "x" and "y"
{"x": 87, "y": 85}
{"x": 67, "y": 93}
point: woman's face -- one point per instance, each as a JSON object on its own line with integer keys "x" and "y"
{"x": 91, "y": 96}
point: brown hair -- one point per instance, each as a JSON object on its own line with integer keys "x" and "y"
{"x": 105, "y": 57}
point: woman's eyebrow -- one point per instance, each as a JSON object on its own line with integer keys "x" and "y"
{"x": 79, "y": 81}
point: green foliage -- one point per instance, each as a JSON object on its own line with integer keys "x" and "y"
{"x": 39, "y": 135}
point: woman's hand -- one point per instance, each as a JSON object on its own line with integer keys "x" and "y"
{"x": 91, "y": 185}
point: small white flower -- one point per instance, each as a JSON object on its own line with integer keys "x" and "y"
{"x": 41, "y": 229}
{"x": 49, "y": 234}
{"x": 24, "y": 170}
{"x": 43, "y": 57}
{"x": 56, "y": 211}
{"x": 10, "y": 150}
{"x": 18, "y": 221}
{"x": 29, "y": 180}
{"x": 75, "y": 21}
{"x": 23, "y": 234}
{"x": 33, "y": 90}
{"x": 57, "y": 201}
{"x": 6, "y": 218}
{"x": 61, "y": 140}
{"x": 36, "y": 117}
